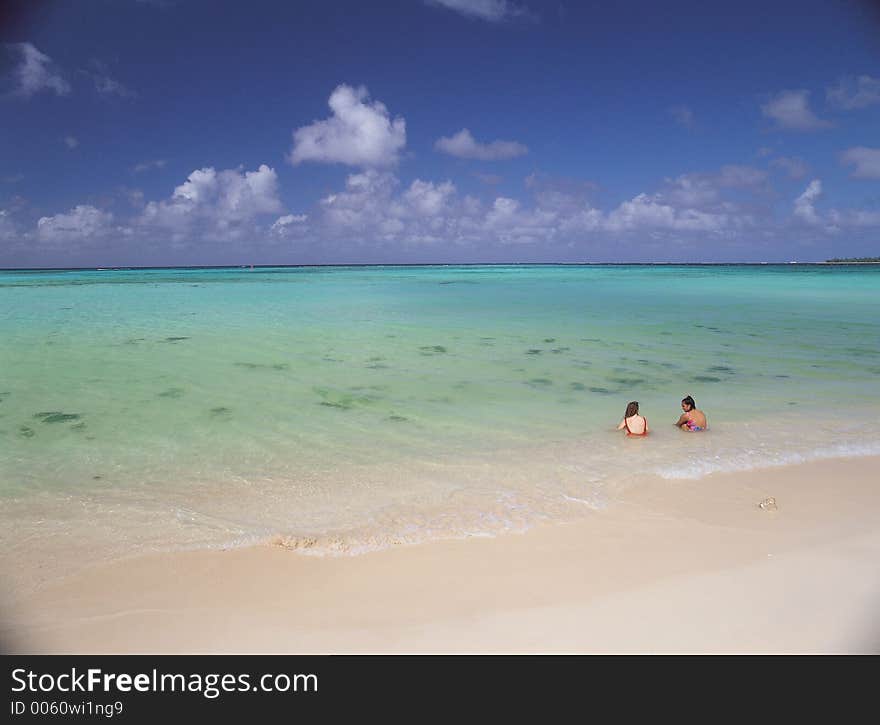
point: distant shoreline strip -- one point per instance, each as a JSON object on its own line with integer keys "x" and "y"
{"x": 446, "y": 264}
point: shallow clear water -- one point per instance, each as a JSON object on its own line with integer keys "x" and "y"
{"x": 351, "y": 407}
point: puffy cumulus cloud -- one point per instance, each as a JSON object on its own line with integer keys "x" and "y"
{"x": 852, "y": 93}
{"x": 494, "y": 11}
{"x": 370, "y": 206}
{"x": 34, "y": 72}
{"x": 82, "y": 223}
{"x": 804, "y": 205}
{"x": 215, "y": 204}
{"x": 646, "y": 212}
{"x": 791, "y": 111}
{"x": 427, "y": 198}
{"x": 795, "y": 168}
{"x": 464, "y": 146}
{"x": 366, "y": 202}
{"x": 289, "y": 225}
{"x": 865, "y": 160}
{"x": 509, "y": 223}
{"x": 359, "y": 133}
{"x": 834, "y": 220}
{"x": 374, "y": 207}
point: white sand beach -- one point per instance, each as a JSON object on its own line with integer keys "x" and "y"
{"x": 687, "y": 566}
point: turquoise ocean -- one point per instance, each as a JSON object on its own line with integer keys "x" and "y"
{"x": 337, "y": 410}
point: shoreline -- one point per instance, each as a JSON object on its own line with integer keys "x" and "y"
{"x": 683, "y": 565}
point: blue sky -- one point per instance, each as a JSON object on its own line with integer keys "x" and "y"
{"x": 163, "y": 132}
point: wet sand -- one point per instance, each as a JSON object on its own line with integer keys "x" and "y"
{"x": 678, "y": 566}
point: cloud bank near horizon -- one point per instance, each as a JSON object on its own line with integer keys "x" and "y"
{"x": 732, "y": 205}
{"x": 218, "y": 207}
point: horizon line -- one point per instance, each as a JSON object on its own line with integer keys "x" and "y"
{"x": 118, "y": 268}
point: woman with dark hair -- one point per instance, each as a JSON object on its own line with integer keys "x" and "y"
{"x": 633, "y": 423}
{"x": 691, "y": 420}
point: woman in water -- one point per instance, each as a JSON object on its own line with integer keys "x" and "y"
{"x": 691, "y": 420}
{"x": 633, "y": 423}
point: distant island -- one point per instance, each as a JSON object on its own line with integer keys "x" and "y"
{"x": 854, "y": 260}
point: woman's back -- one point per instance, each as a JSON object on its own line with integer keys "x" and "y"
{"x": 698, "y": 417}
{"x": 636, "y": 425}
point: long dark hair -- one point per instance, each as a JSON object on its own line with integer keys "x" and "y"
{"x": 631, "y": 409}
{"x": 689, "y": 401}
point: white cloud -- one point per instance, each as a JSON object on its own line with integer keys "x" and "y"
{"x": 507, "y": 222}
{"x": 288, "y": 224}
{"x": 369, "y": 207}
{"x": 492, "y": 10}
{"x": 215, "y": 204}
{"x": 375, "y": 208}
{"x": 804, "y": 205}
{"x": 791, "y": 111}
{"x": 795, "y": 168}
{"x": 82, "y": 223}
{"x": 365, "y": 203}
{"x": 34, "y": 74}
{"x": 834, "y": 220}
{"x": 852, "y": 93}
{"x": 645, "y": 212}
{"x": 358, "y": 133}
{"x": 147, "y": 165}
{"x": 71, "y": 142}
{"x": 683, "y": 116}
{"x": 866, "y": 161}
{"x": 464, "y": 146}
{"x": 372, "y": 207}
{"x": 427, "y": 198}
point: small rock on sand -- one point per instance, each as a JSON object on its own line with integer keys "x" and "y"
{"x": 768, "y": 504}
